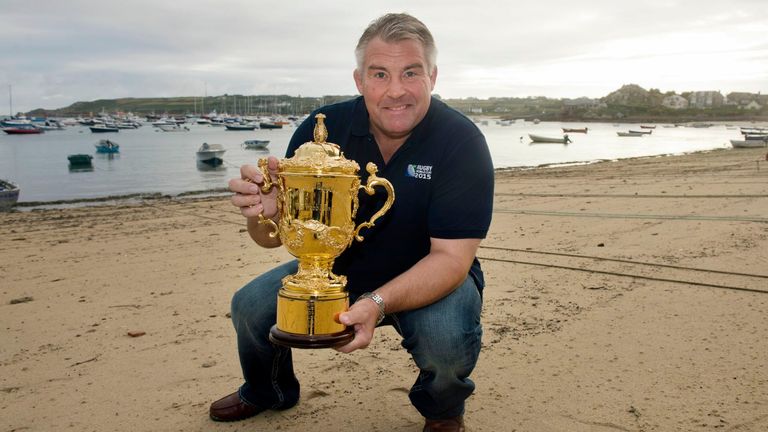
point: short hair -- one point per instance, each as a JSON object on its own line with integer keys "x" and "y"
{"x": 396, "y": 27}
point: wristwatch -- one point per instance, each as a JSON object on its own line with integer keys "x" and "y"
{"x": 379, "y": 302}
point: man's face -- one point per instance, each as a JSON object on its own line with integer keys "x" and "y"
{"x": 396, "y": 85}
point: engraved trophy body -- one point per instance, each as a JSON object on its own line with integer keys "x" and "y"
{"x": 317, "y": 203}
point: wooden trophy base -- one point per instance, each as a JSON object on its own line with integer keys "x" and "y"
{"x": 293, "y": 340}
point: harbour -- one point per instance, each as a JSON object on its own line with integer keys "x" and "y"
{"x": 152, "y": 161}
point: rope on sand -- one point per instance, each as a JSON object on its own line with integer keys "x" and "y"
{"x": 633, "y": 216}
{"x": 677, "y": 281}
{"x": 576, "y": 195}
{"x": 625, "y": 261}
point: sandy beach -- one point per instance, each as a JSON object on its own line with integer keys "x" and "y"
{"x": 628, "y": 295}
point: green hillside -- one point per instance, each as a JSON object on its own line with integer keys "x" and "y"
{"x": 629, "y": 103}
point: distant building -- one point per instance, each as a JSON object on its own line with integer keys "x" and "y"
{"x": 706, "y": 99}
{"x": 753, "y": 106}
{"x": 740, "y": 98}
{"x": 675, "y": 102}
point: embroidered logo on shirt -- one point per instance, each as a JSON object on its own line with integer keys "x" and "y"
{"x": 423, "y": 172}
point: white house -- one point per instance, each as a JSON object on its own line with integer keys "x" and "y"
{"x": 706, "y": 99}
{"x": 675, "y": 102}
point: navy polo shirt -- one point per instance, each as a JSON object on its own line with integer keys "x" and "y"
{"x": 443, "y": 181}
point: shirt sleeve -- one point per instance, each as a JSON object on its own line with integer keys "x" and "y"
{"x": 462, "y": 198}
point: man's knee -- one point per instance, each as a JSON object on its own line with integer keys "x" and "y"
{"x": 452, "y": 349}
{"x": 260, "y": 295}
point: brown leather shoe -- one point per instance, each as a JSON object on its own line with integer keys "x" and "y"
{"x": 455, "y": 424}
{"x": 232, "y": 408}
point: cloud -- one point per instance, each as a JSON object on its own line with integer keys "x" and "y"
{"x": 55, "y": 53}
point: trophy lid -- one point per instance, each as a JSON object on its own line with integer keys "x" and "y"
{"x": 319, "y": 157}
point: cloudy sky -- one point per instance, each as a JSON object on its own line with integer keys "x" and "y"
{"x": 54, "y": 53}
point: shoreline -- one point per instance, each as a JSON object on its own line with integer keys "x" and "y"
{"x": 126, "y": 199}
{"x": 131, "y": 198}
{"x": 608, "y": 306}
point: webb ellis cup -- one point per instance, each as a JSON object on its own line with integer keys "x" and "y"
{"x": 317, "y": 203}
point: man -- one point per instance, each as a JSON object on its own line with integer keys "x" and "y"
{"x": 417, "y": 266}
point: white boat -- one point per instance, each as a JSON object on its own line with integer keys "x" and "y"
{"x": 749, "y": 143}
{"x": 163, "y": 121}
{"x": 104, "y": 128}
{"x": 543, "y": 139}
{"x": 173, "y": 128}
{"x": 758, "y": 137}
{"x": 255, "y": 144}
{"x": 241, "y": 126}
{"x": 211, "y": 154}
{"x": 50, "y": 125}
{"x": 9, "y": 194}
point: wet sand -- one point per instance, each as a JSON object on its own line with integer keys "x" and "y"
{"x": 584, "y": 330}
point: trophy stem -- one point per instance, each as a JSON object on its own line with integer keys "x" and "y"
{"x": 315, "y": 277}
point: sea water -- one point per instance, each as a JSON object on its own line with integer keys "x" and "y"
{"x": 153, "y": 161}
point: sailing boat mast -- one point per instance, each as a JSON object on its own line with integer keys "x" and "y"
{"x": 10, "y": 98}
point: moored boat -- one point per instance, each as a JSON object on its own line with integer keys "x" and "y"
{"x": 107, "y": 146}
{"x": 104, "y": 128}
{"x": 543, "y": 139}
{"x": 172, "y": 128}
{"x": 753, "y": 131}
{"x": 22, "y": 130}
{"x": 642, "y": 132}
{"x": 79, "y": 160}
{"x": 255, "y": 144}
{"x": 647, "y": 126}
{"x": 241, "y": 127}
{"x": 749, "y": 143}
{"x": 575, "y": 130}
{"x": 211, "y": 154}
{"x": 630, "y": 134}
{"x": 756, "y": 137}
{"x": 268, "y": 125}
{"x": 9, "y": 194}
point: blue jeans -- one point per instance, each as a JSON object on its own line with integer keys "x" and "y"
{"x": 443, "y": 338}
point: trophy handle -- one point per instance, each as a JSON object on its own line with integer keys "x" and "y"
{"x": 266, "y": 187}
{"x": 373, "y": 181}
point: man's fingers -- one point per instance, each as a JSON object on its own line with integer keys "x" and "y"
{"x": 361, "y": 340}
{"x": 272, "y": 166}
{"x": 253, "y": 211}
{"x": 245, "y": 200}
{"x": 252, "y": 173}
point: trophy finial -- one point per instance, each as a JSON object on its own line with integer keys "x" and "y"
{"x": 321, "y": 133}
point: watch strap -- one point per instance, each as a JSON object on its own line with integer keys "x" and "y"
{"x": 379, "y": 302}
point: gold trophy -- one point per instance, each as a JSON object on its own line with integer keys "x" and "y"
{"x": 316, "y": 204}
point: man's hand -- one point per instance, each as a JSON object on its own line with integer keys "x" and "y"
{"x": 249, "y": 197}
{"x": 362, "y": 318}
